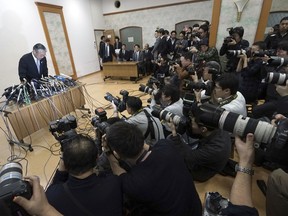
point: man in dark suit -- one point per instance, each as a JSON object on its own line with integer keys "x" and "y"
{"x": 33, "y": 65}
{"x": 107, "y": 52}
{"x": 163, "y": 44}
{"x": 124, "y": 55}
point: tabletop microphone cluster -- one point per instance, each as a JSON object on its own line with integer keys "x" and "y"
{"x": 35, "y": 90}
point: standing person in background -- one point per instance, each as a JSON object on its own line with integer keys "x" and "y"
{"x": 107, "y": 52}
{"x": 33, "y": 65}
{"x": 101, "y": 50}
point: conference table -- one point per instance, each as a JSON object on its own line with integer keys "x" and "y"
{"x": 37, "y": 115}
{"x": 121, "y": 69}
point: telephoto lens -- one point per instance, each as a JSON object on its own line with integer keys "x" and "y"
{"x": 277, "y": 78}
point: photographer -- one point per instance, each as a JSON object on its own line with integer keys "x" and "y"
{"x": 161, "y": 68}
{"x": 250, "y": 69}
{"x": 226, "y": 96}
{"x": 150, "y": 126}
{"x": 76, "y": 189}
{"x": 155, "y": 181}
{"x": 181, "y": 44}
{"x": 271, "y": 95}
{"x": 212, "y": 152}
{"x": 171, "y": 102}
{"x": 233, "y": 42}
{"x": 274, "y": 39}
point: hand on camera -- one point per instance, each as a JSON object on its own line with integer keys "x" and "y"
{"x": 114, "y": 107}
{"x": 277, "y": 118}
{"x": 232, "y": 42}
{"x": 245, "y": 150}
{"x": 38, "y": 204}
{"x": 172, "y": 126}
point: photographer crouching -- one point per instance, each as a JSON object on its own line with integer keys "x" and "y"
{"x": 142, "y": 118}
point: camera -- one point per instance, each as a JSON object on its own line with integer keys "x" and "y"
{"x": 11, "y": 185}
{"x": 277, "y": 61}
{"x": 63, "y": 129}
{"x": 262, "y": 53}
{"x": 214, "y": 204}
{"x": 195, "y": 34}
{"x": 236, "y": 52}
{"x": 276, "y": 78}
{"x": 264, "y": 133}
{"x": 100, "y": 120}
{"x": 121, "y": 105}
{"x": 208, "y": 87}
{"x": 165, "y": 115}
{"x": 146, "y": 89}
{"x": 228, "y": 39}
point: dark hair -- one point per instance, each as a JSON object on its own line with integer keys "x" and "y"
{"x": 102, "y": 37}
{"x": 134, "y": 103}
{"x": 166, "y": 32}
{"x": 196, "y": 25}
{"x": 116, "y": 37}
{"x": 80, "y": 154}
{"x": 171, "y": 91}
{"x": 162, "y": 31}
{"x": 124, "y": 44}
{"x": 126, "y": 139}
{"x": 284, "y": 18}
{"x": 190, "y": 28}
{"x": 228, "y": 81}
{"x": 173, "y": 32}
{"x": 39, "y": 46}
{"x": 238, "y": 30}
{"x": 188, "y": 56}
{"x": 283, "y": 45}
{"x": 260, "y": 44}
{"x": 137, "y": 45}
{"x": 206, "y": 22}
{"x": 204, "y": 27}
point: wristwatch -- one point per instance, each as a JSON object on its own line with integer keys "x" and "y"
{"x": 244, "y": 170}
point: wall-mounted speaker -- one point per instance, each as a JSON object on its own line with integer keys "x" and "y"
{"x": 117, "y": 4}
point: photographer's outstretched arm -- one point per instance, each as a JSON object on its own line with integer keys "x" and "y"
{"x": 38, "y": 204}
{"x": 241, "y": 192}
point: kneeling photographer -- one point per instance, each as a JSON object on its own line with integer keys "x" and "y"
{"x": 213, "y": 149}
{"x": 150, "y": 126}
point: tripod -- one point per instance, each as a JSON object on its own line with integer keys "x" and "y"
{"x": 9, "y": 138}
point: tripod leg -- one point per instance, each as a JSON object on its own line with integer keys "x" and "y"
{"x": 21, "y": 143}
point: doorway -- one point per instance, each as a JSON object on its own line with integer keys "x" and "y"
{"x": 130, "y": 36}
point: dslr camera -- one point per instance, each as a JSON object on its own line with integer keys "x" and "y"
{"x": 266, "y": 135}
{"x": 11, "y": 185}
{"x": 100, "y": 121}
{"x": 120, "y": 104}
{"x": 208, "y": 87}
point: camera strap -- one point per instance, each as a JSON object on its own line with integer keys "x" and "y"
{"x": 75, "y": 201}
{"x": 150, "y": 128}
{"x": 228, "y": 100}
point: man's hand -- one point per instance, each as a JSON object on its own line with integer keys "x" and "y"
{"x": 172, "y": 126}
{"x": 38, "y": 203}
{"x": 245, "y": 150}
{"x": 233, "y": 42}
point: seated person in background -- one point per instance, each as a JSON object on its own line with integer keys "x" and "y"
{"x": 33, "y": 65}
{"x": 212, "y": 152}
{"x": 142, "y": 118}
{"x": 233, "y": 42}
{"x": 75, "y": 180}
{"x": 124, "y": 55}
{"x": 250, "y": 69}
{"x": 171, "y": 102}
{"x": 205, "y": 53}
{"x": 226, "y": 96}
{"x": 155, "y": 181}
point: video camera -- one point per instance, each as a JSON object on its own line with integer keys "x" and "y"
{"x": 266, "y": 135}
{"x": 276, "y": 78}
{"x": 121, "y": 105}
{"x": 63, "y": 129}
{"x": 11, "y": 185}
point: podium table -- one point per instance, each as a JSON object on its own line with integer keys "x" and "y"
{"x": 120, "y": 69}
{"x": 31, "y": 118}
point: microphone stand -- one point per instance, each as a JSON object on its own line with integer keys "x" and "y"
{"x": 10, "y": 140}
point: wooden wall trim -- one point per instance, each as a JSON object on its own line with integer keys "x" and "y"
{"x": 155, "y": 7}
{"x": 48, "y": 5}
{"x": 263, "y": 19}
{"x": 215, "y": 22}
